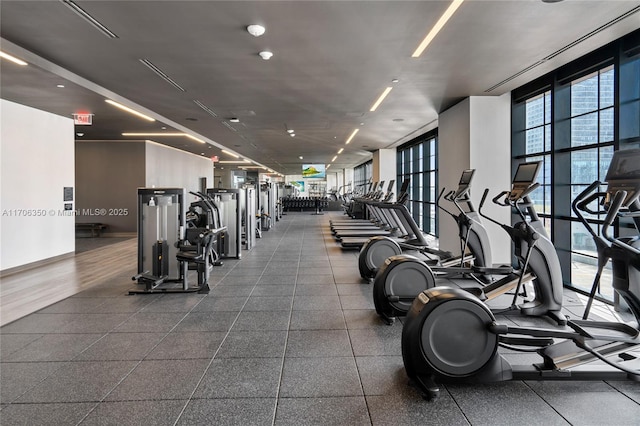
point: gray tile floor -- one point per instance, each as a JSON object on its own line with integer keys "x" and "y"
{"x": 287, "y": 336}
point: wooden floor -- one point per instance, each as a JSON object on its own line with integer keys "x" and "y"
{"x": 26, "y": 292}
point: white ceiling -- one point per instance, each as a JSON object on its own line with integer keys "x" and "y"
{"x": 332, "y": 59}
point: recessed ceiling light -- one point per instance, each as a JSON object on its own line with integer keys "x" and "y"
{"x": 256, "y": 30}
{"x": 12, "y": 58}
{"x": 437, "y": 27}
{"x": 60, "y": 86}
{"x": 395, "y": 80}
{"x": 80, "y": 135}
{"x": 301, "y": 157}
{"x": 266, "y": 55}
{"x": 163, "y": 127}
{"x": 293, "y": 135}
{"x": 290, "y": 131}
{"x": 234, "y": 120}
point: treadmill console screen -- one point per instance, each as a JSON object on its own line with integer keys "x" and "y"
{"x": 405, "y": 186}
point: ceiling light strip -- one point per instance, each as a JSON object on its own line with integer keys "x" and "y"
{"x": 230, "y": 153}
{"x": 161, "y": 74}
{"x": 334, "y": 158}
{"x": 194, "y": 138}
{"x": 340, "y": 150}
{"x": 352, "y": 136}
{"x": 205, "y": 108}
{"x": 90, "y": 19}
{"x": 12, "y": 58}
{"x": 437, "y": 27}
{"x": 153, "y": 134}
{"x": 129, "y": 110}
{"x": 380, "y": 99}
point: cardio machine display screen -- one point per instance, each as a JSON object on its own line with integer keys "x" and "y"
{"x": 466, "y": 177}
{"x": 526, "y": 172}
{"x": 405, "y": 185}
{"x": 625, "y": 165}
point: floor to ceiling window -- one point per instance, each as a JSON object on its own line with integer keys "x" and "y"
{"x": 573, "y": 119}
{"x": 362, "y": 175}
{"x": 417, "y": 161}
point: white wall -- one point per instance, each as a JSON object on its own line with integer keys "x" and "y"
{"x": 490, "y": 154}
{"x": 37, "y": 162}
{"x": 475, "y": 133}
{"x": 384, "y": 166}
{"x": 453, "y": 157}
{"x": 168, "y": 167}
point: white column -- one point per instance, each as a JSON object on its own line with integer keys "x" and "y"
{"x": 476, "y": 133}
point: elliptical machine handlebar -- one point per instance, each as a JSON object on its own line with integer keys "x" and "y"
{"x": 614, "y": 209}
{"x": 446, "y": 198}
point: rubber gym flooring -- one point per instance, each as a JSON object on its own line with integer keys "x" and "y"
{"x": 287, "y": 336}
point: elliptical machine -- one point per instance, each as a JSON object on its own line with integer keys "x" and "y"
{"x": 451, "y": 336}
{"x": 471, "y": 232}
{"x": 403, "y": 277}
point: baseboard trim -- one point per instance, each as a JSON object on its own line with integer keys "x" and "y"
{"x": 36, "y": 264}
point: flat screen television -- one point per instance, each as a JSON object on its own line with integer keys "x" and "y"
{"x": 314, "y": 171}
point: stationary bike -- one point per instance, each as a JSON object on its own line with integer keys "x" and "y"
{"x": 451, "y": 336}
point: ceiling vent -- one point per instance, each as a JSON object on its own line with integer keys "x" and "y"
{"x": 205, "y": 108}
{"x": 567, "y": 47}
{"x": 90, "y": 19}
{"x": 161, "y": 74}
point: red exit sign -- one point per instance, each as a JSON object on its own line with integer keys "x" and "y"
{"x": 83, "y": 119}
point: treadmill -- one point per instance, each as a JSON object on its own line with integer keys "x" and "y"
{"x": 374, "y": 220}
{"x": 379, "y": 219}
{"x": 395, "y": 226}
